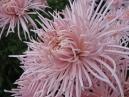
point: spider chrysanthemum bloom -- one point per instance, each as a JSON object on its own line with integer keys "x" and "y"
{"x": 71, "y": 50}
{"x": 16, "y": 13}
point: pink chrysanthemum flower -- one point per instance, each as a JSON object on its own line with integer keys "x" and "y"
{"x": 17, "y": 13}
{"x": 71, "y": 50}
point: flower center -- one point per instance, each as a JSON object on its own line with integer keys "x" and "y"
{"x": 11, "y": 8}
{"x": 55, "y": 42}
{"x": 67, "y": 47}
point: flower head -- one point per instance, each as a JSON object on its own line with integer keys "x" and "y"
{"x": 16, "y": 13}
{"x": 71, "y": 51}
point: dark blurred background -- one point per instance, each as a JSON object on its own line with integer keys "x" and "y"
{"x": 10, "y": 69}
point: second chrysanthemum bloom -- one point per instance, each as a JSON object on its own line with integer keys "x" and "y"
{"x": 16, "y": 13}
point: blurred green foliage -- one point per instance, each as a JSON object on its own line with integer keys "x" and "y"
{"x": 10, "y": 67}
{"x": 58, "y": 5}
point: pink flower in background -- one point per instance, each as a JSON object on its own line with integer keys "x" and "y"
{"x": 117, "y": 4}
{"x": 16, "y": 13}
{"x": 122, "y": 71}
{"x": 72, "y": 51}
{"x": 40, "y": 1}
{"x": 100, "y": 89}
